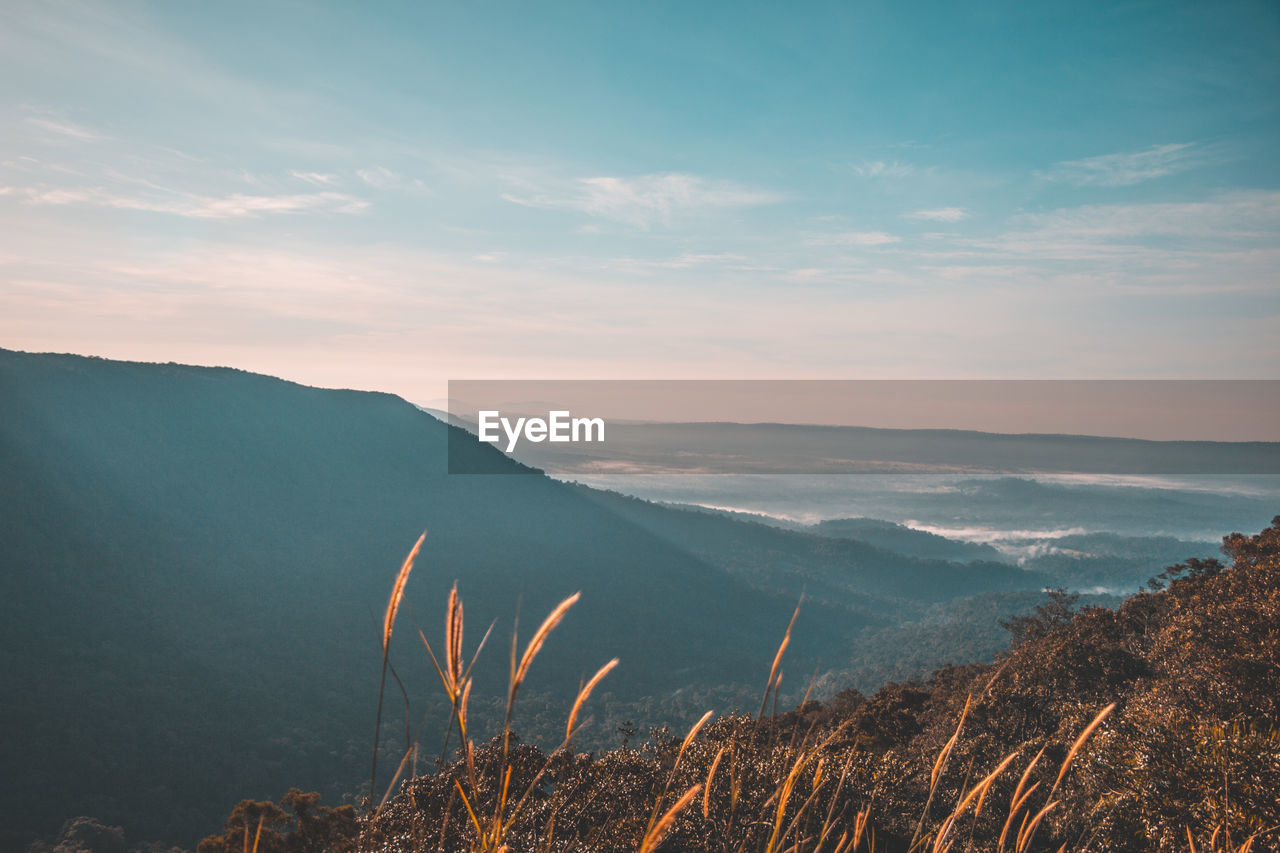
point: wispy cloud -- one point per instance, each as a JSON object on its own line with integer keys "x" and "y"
{"x": 883, "y": 169}
{"x": 379, "y": 177}
{"x": 64, "y": 128}
{"x": 1128, "y": 168}
{"x": 233, "y": 206}
{"x": 692, "y": 259}
{"x": 1221, "y": 245}
{"x": 1237, "y": 218}
{"x": 319, "y": 179}
{"x": 853, "y": 238}
{"x": 382, "y": 178}
{"x": 940, "y": 214}
{"x": 718, "y": 261}
{"x": 643, "y": 200}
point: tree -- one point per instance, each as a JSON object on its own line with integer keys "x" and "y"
{"x": 1053, "y": 614}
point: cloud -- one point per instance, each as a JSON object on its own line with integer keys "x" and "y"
{"x": 64, "y": 128}
{"x": 1228, "y": 243}
{"x": 853, "y": 238}
{"x": 940, "y": 214}
{"x": 233, "y": 206}
{"x": 1238, "y": 218}
{"x": 379, "y": 177}
{"x": 1128, "y": 168}
{"x": 319, "y": 179}
{"x": 643, "y": 200}
{"x": 382, "y": 178}
{"x": 683, "y": 261}
{"x": 881, "y": 169}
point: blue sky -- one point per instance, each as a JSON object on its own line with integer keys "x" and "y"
{"x": 391, "y": 195}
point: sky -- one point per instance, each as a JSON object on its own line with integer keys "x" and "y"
{"x": 391, "y": 195}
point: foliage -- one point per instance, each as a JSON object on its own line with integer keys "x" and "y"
{"x": 298, "y": 825}
{"x": 1053, "y": 614}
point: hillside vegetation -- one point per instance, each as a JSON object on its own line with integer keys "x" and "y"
{"x": 1153, "y": 727}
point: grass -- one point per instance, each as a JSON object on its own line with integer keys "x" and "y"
{"x": 493, "y": 810}
{"x": 733, "y": 784}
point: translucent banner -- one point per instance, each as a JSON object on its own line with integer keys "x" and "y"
{"x": 1122, "y": 427}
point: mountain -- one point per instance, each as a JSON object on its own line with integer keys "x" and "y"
{"x": 193, "y": 564}
{"x": 783, "y": 448}
{"x": 1109, "y": 561}
{"x": 847, "y": 573}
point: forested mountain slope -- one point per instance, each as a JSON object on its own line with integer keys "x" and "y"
{"x": 192, "y": 559}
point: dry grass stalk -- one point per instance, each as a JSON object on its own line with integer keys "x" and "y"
{"x": 257, "y": 836}
{"x": 1213, "y": 845}
{"x": 453, "y": 641}
{"x": 458, "y": 683}
{"x": 828, "y": 822}
{"x": 388, "y": 623}
{"x": 1028, "y": 830}
{"x": 711, "y": 775}
{"x": 654, "y": 819}
{"x": 774, "y": 678}
{"x": 455, "y": 679}
{"x": 849, "y": 839}
{"x": 582, "y": 697}
{"x": 1026, "y": 775}
{"x": 1015, "y": 807}
{"x": 521, "y": 670}
{"x": 939, "y": 766}
{"x": 979, "y": 791}
{"x": 471, "y": 813}
{"x": 1024, "y": 842}
{"x": 784, "y": 795}
{"x": 404, "y": 762}
{"x": 662, "y": 827}
{"x": 860, "y": 826}
{"x": 693, "y": 731}
{"x": 397, "y": 593}
{"x": 1020, "y": 796}
{"x": 1080, "y": 742}
{"x": 540, "y": 637}
{"x": 940, "y": 763}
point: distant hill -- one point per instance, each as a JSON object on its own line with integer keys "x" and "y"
{"x": 191, "y": 560}
{"x": 847, "y": 573}
{"x": 1108, "y": 562}
{"x": 782, "y": 448}
{"x": 904, "y": 540}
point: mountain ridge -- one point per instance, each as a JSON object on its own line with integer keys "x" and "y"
{"x": 192, "y": 557}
